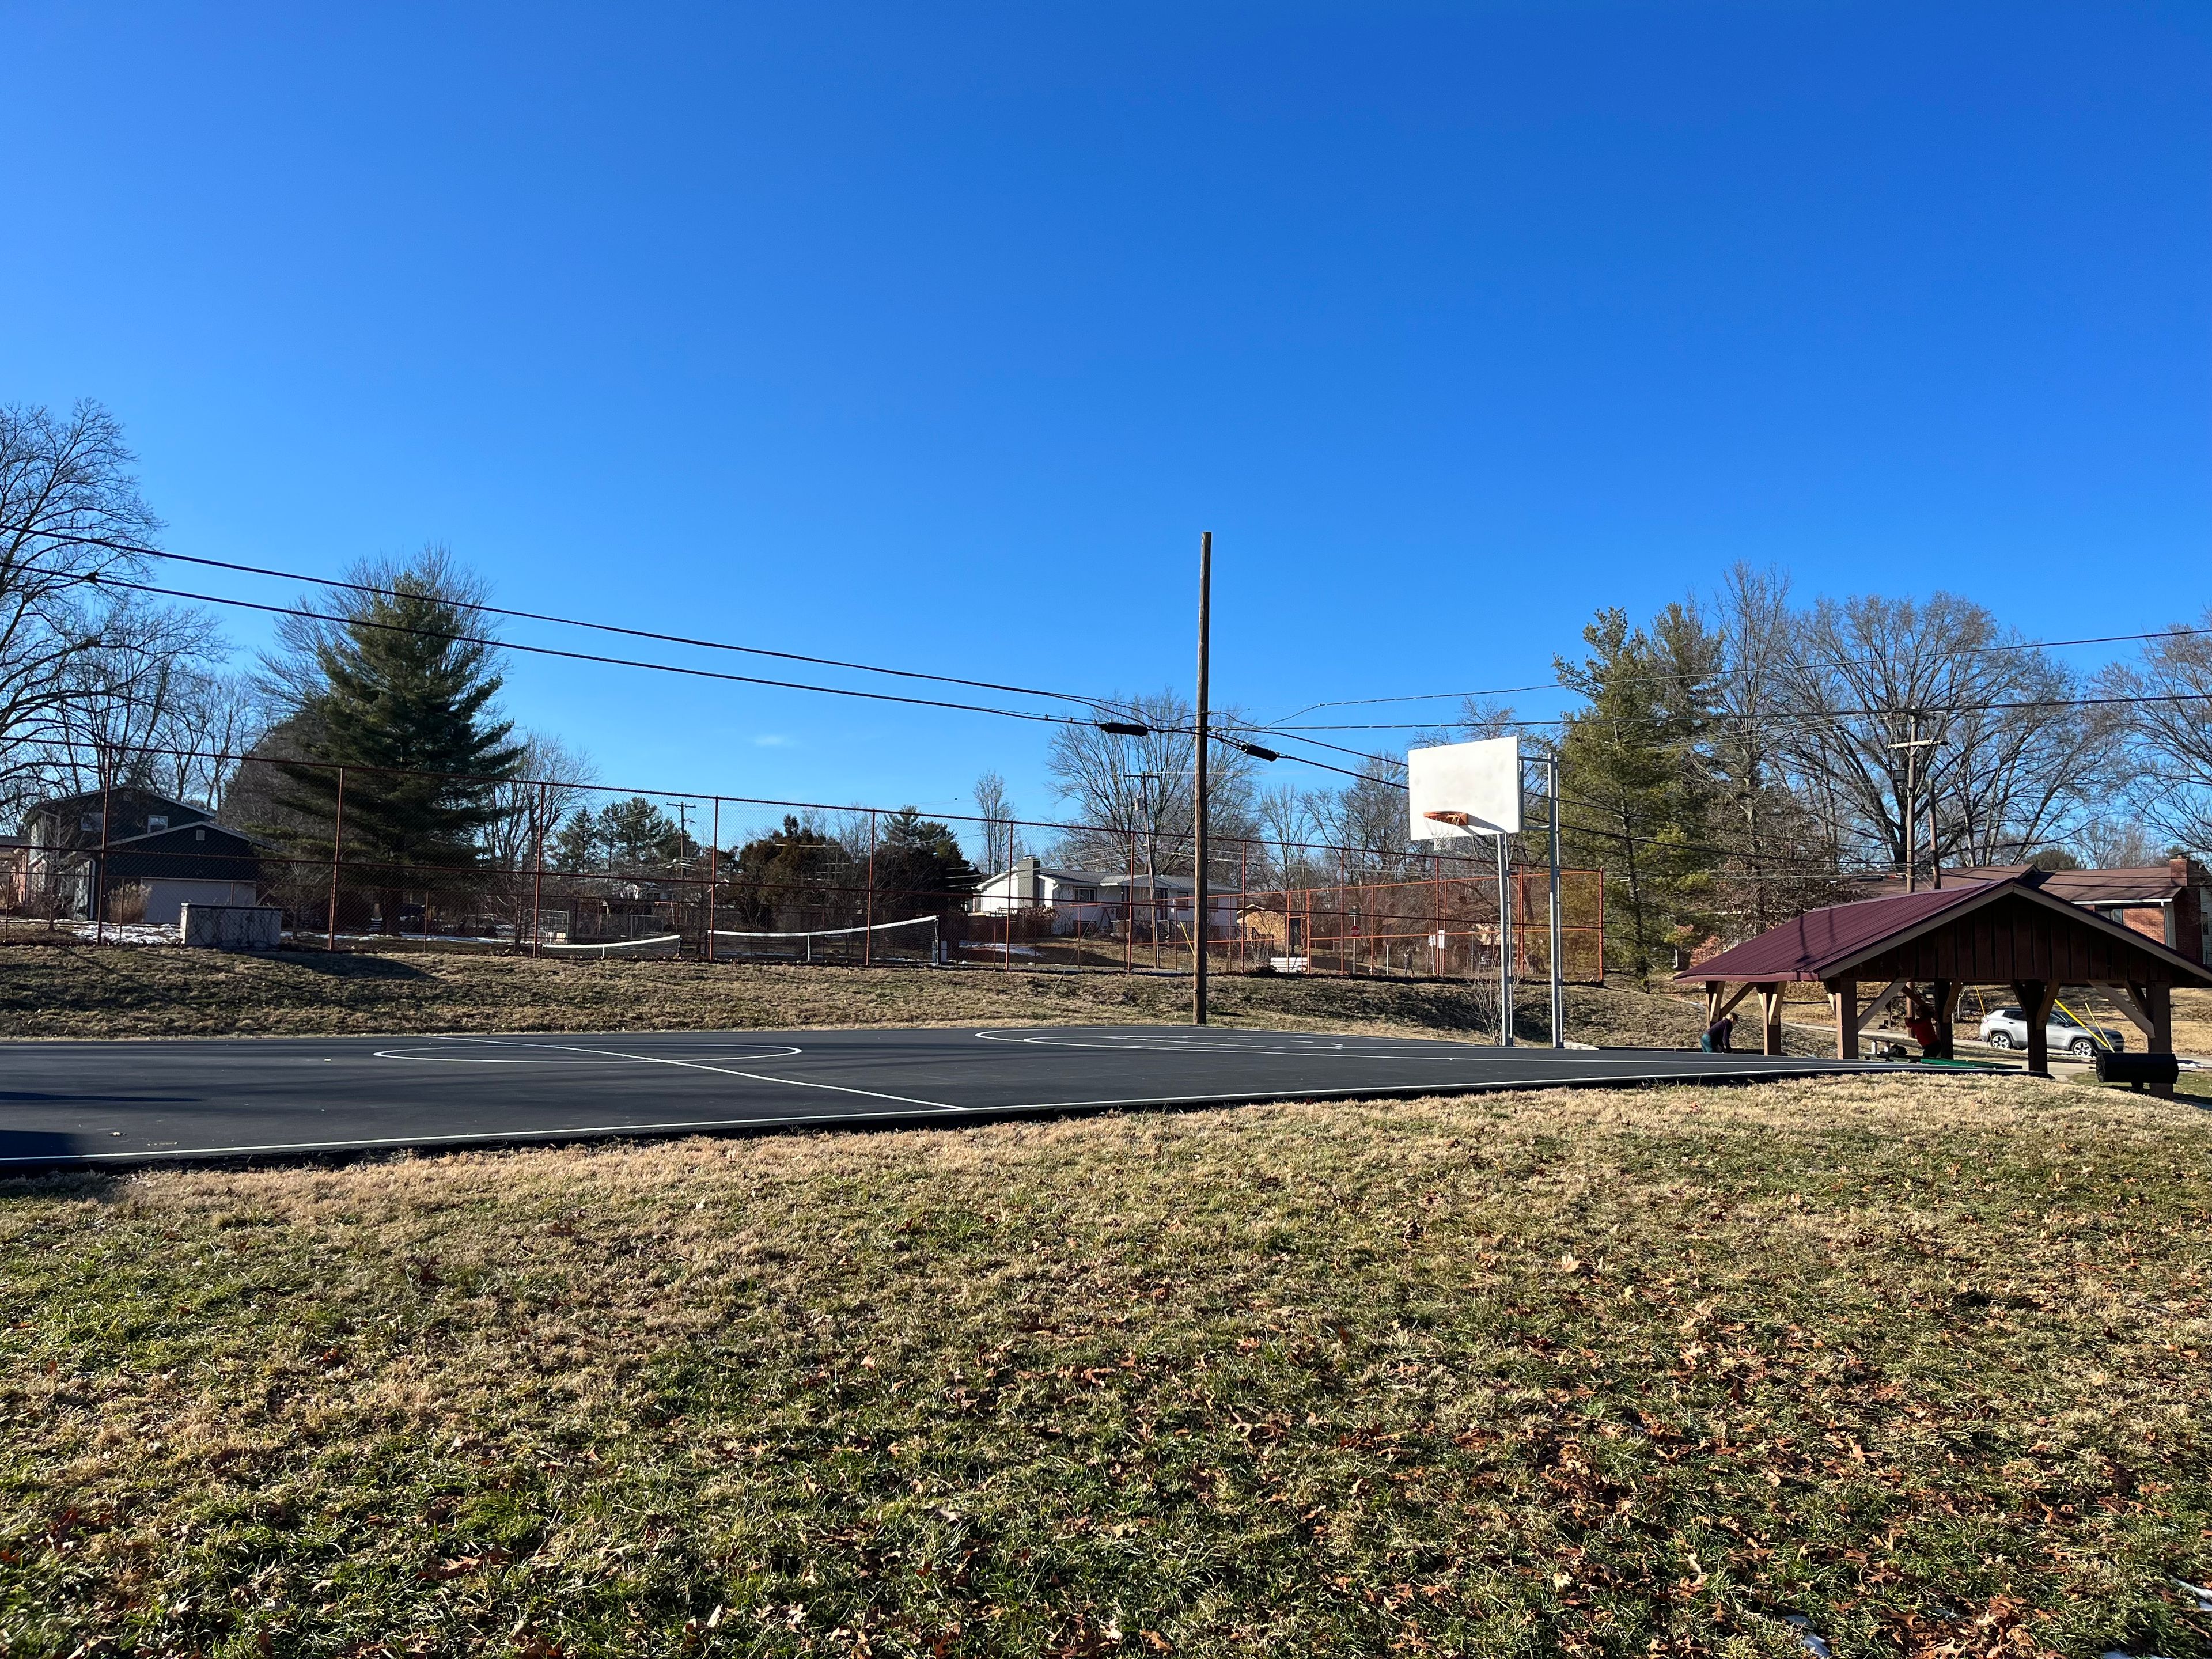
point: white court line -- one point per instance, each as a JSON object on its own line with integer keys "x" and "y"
{"x": 723, "y": 1071}
{"x": 1167, "y": 1045}
{"x": 495, "y": 1138}
{"x": 766, "y": 1052}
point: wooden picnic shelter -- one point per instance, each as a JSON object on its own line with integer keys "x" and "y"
{"x": 2009, "y": 933}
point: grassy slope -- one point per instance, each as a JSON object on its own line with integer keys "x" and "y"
{"x": 1554, "y": 1373}
{"x": 83, "y": 990}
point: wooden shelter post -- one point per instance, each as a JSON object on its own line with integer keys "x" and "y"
{"x": 1770, "y": 1018}
{"x": 2035, "y": 997}
{"x": 1843, "y": 1000}
{"x": 1944, "y": 1013}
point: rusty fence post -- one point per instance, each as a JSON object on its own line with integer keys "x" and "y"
{"x": 337, "y": 846}
{"x": 1243, "y": 901}
{"x": 537, "y": 874}
{"x": 714, "y": 873}
{"x": 868, "y": 905}
{"x": 99, "y": 875}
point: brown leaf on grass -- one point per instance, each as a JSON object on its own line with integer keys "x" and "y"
{"x": 460, "y": 1566}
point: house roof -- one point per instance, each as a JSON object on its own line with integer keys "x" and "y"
{"x": 177, "y": 831}
{"x": 132, "y": 792}
{"x": 1823, "y": 944}
{"x": 1026, "y": 871}
{"x": 2149, "y": 884}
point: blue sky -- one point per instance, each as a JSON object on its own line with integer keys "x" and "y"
{"x": 935, "y": 336}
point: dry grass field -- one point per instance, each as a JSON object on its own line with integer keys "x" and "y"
{"x": 84, "y": 991}
{"x": 1917, "y": 1361}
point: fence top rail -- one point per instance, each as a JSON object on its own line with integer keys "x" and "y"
{"x": 827, "y": 933}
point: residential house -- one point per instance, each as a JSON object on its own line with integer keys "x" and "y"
{"x": 83, "y": 850}
{"x": 2167, "y": 903}
{"x": 1083, "y": 901}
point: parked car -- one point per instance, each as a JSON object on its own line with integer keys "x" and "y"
{"x": 2007, "y": 1028}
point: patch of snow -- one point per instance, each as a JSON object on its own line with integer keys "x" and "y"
{"x": 120, "y": 933}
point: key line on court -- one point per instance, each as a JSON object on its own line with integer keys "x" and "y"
{"x": 721, "y": 1071}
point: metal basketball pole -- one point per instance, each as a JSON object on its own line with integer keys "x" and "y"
{"x": 1559, "y": 981}
{"x": 1200, "y": 905}
{"x": 1505, "y": 944}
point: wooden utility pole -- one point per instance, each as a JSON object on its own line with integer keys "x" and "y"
{"x": 1912, "y": 800}
{"x": 1912, "y": 746}
{"x": 1200, "y": 906}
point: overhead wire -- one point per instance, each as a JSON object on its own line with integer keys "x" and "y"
{"x": 143, "y": 550}
{"x": 105, "y": 580}
{"x": 1293, "y": 734}
{"x": 2182, "y": 628}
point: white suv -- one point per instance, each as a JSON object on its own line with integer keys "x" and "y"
{"x": 2008, "y": 1028}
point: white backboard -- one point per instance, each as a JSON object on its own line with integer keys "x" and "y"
{"x": 1482, "y": 780}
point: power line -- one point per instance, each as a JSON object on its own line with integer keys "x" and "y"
{"x": 1836, "y": 662}
{"x": 140, "y": 549}
{"x": 583, "y": 656}
{"x": 1796, "y": 716}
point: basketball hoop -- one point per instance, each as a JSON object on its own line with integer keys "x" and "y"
{"x": 1459, "y": 791}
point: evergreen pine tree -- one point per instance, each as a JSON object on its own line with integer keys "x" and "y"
{"x": 394, "y": 693}
{"x": 796, "y": 877}
{"x": 1633, "y": 781}
{"x": 920, "y": 869}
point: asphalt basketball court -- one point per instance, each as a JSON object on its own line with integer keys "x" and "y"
{"x": 68, "y": 1103}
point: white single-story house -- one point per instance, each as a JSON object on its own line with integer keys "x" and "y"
{"x": 1090, "y": 898}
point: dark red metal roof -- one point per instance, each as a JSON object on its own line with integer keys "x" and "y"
{"x": 1819, "y": 942}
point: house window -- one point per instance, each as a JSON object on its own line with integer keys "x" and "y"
{"x": 89, "y": 823}
{"x": 1086, "y": 895}
{"x": 199, "y": 834}
{"x": 156, "y": 823}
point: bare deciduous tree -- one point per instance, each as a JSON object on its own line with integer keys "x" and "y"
{"x": 550, "y": 783}
{"x": 2167, "y": 733}
{"x": 2005, "y": 758}
{"x": 131, "y": 699}
{"x": 1773, "y": 857}
{"x": 66, "y": 487}
{"x": 999, "y": 832}
{"x": 215, "y": 718}
{"x": 2118, "y": 844}
{"x": 1137, "y": 793}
